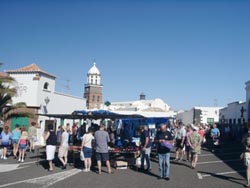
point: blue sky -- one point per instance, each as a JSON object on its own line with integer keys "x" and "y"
{"x": 186, "y": 52}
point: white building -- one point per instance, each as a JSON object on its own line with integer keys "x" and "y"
{"x": 199, "y": 115}
{"x": 147, "y": 108}
{"x": 37, "y": 89}
{"x": 237, "y": 112}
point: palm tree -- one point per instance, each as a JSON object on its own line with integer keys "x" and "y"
{"x": 7, "y": 108}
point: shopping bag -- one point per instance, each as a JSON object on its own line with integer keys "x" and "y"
{"x": 82, "y": 156}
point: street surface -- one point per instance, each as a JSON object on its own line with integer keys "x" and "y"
{"x": 220, "y": 170}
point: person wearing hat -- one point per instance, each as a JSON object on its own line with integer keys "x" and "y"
{"x": 194, "y": 141}
{"x": 63, "y": 149}
{"x": 5, "y": 141}
{"x": 22, "y": 144}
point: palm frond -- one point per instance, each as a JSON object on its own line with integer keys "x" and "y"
{"x": 19, "y": 114}
{"x": 8, "y": 91}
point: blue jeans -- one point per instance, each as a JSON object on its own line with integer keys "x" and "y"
{"x": 146, "y": 155}
{"x": 164, "y": 164}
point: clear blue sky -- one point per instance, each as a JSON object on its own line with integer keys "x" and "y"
{"x": 185, "y": 52}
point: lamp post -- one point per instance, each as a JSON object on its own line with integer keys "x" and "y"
{"x": 242, "y": 111}
{"x": 47, "y": 100}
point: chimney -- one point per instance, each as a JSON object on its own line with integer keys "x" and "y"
{"x": 142, "y": 96}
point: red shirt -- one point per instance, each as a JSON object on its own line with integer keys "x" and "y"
{"x": 201, "y": 133}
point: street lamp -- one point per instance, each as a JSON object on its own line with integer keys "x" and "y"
{"x": 242, "y": 110}
{"x": 47, "y": 100}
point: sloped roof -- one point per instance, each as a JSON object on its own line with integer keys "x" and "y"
{"x": 30, "y": 69}
{"x": 2, "y": 74}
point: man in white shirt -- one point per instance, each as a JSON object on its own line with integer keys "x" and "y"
{"x": 180, "y": 141}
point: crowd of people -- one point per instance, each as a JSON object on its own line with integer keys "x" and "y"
{"x": 187, "y": 141}
{"x": 20, "y": 139}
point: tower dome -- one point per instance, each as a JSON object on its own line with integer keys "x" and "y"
{"x": 94, "y": 70}
{"x": 94, "y": 76}
{"x": 93, "y": 88}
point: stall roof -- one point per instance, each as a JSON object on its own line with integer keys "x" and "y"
{"x": 91, "y": 115}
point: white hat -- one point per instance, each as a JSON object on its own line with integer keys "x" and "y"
{"x": 195, "y": 127}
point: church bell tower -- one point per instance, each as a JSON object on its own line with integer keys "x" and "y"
{"x": 93, "y": 88}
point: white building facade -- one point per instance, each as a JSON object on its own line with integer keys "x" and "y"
{"x": 36, "y": 88}
{"x": 147, "y": 108}
{"x": 237, "y": 112}
{"x": 199, "y": 115}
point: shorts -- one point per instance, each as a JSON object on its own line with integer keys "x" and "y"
{"x": 5, "y": 144}
{"x": 187, "y": 148}
{"x": 102, "y": 157}
{"x": 22, "y": 146}
{"x": 63, "y": 151}
{"x": 87, "y": 152}
{"x": 178, "y": 144}
{"x": 50, "y": 152}
{"x": 247, "y": 159}
{"x": 15, "y": 141}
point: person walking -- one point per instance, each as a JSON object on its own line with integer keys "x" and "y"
{"x": 164, "y": 141}
{"x": 180, "y": 139}
{"x": 22, "y": 143}
{"x": 87, "y": 142}
{"x": 195, "y": 143}
{"x": 246, "y": 156}
{"x": 5, "y": 140}
{"x": 32, "y": 136}
{"x": 215, "y": 134}
{"x": 64, "y": 146}
{"x": 145, "y": 148}
{"x": 16, "y": 133}
{"x": 50, "y": 138}
{"x": 102, "y": 154}
{"x": 187, "y": 145}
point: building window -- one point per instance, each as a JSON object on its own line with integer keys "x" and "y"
{"x": 230, "y": 121}
{"x": 210, "y": 121}
{"x": 93, "y": 98}
{"x": 96, "y": 81}
{"x": 234, "y": 121}
{"x": 98, "y": 98}
{"x": 91, "y": 81}
{"x": 46, "y": 86}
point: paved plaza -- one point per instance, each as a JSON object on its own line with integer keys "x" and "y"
{"x": 222, "y": 169}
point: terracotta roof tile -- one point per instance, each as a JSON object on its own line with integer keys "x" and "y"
{"x": 30, "y": 68}
{"x": 2, "y": 74}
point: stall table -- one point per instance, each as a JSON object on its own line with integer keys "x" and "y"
{"x": 130, "y": 156}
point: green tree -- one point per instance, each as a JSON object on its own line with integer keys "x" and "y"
{"x": 7, "y": 92}
{"x": 107, "y": 103}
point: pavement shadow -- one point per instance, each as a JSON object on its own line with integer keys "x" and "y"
{"x": 220, "y": 152}
{"x": 224, "y": 177}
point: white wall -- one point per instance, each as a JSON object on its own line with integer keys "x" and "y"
{"x": 141, "y": 105}
{"x": 34, "y": 94}
{"x": 27, "y": 89}
{"x": 209, "y": 112}
{"x": 233, "y": 111}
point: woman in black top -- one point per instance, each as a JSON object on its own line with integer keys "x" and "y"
{"x": 51, "y": 140}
